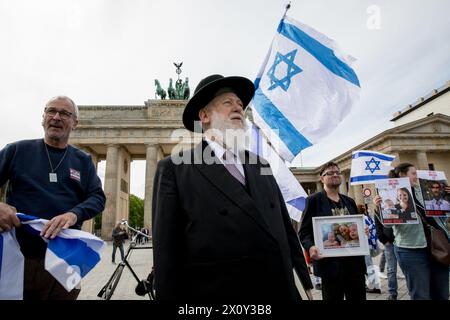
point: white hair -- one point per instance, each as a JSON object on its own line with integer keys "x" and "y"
{"x": 75, "y": 107}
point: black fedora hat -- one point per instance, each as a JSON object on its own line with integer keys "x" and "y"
{"x": 206, "y": 90}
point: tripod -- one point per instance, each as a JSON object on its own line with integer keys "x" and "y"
{"x": 108, "y": 289}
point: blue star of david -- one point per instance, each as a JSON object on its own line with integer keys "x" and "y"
{"x": 292, "y": 70}
{"x": 370, "y": 167}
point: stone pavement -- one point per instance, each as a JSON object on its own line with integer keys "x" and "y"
{"x": 141, "y": 260}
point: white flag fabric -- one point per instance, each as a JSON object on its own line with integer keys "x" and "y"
{"x": 69, "y": 256}
{"x": 11, "y": 267}
{"x": 368, "y": 166}
{"x": 304, "y": 89}
{"x": 293, "y": 193}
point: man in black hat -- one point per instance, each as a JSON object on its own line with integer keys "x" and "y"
{"x": 221, "y": 229}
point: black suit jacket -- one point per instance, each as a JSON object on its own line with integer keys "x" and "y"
{"x": 317, "y": 205}
{"x": 214, "y": 239}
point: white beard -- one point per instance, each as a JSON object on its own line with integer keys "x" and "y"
{"x": 232, "y": 135}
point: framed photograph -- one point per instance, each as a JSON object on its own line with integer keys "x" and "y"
{"x": 340, "y": 236}
{"x": 437, "y": 201}
{"x": 397, "y": 205}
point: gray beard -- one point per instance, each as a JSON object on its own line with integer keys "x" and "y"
{"x": 232, "y": 136}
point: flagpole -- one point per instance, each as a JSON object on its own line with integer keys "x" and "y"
{"x": 288, "y": 6}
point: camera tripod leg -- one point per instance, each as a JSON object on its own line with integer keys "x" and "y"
{"x": 108, "y": 289}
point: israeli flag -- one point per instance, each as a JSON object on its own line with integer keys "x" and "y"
{"x": 69, "y": 257}
{"x": 293, "y": 193}
{"x": 304, "y": 89}
{"x": 368, "y": 166}
{"x": 11, "y": 267}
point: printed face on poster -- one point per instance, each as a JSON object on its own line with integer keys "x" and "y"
{"x": 432, "y": 185}
{"x": 397, "y": 202}
{"x": 340, "y": 236}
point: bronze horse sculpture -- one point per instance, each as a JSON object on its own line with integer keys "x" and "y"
{"x": 159, "y": 90}
{"x": 171, "y": 90}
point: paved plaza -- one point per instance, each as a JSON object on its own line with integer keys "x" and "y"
{"x": 141, "y": 261}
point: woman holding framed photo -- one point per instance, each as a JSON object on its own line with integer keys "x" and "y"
{"x": 426, "y": 278}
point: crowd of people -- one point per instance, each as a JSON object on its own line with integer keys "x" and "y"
{"x": 220, "y": 228}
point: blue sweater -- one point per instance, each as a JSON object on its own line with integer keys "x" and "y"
{"x": 26, "y": 165}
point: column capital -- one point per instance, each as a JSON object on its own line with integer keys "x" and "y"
{"x": 113, "y": 145}
{"x": 88, "y": 149}
{"x": 151, "y": 144}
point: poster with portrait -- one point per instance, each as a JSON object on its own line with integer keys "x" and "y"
{"x": 397, "y": 202}
{"x": 436, "y": 200}
{"x": 340, "y": 236}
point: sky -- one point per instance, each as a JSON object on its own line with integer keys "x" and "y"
{"x": 108, "y": 52}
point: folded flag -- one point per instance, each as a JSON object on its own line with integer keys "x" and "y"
{"x": 304, "y": 89}
{"x": 11, "y": 267}
{"x": 293, "y": 193}
{"x": 368, "y": 166}
{"x": 69, "y": 256}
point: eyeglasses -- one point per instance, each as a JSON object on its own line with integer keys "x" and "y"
{"x": 331, "y": 173}
{"x": 51, "y": 112}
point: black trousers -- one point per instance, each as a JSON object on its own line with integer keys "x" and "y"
{"x": 350, "y": 286}
{"x": 39, "y": 284}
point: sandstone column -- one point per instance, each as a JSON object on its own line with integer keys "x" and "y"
{"x": 422, "y": 160}
{"x": 343, "y": 187}
{"x": 357, "y": 194}
{"x": 88, "y": 225}
{"x": 123, "y": 179}
{"x": 111, "y": 191}
{"x": 397, "y": 160}
{"x": 319, "y": 186}
{"x": 150, "y": 169}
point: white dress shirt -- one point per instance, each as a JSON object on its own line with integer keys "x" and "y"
{"x": 219, "y": 151}
{"x": 440, "y": 204}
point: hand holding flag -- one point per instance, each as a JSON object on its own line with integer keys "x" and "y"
{"x": 69, "y": 257}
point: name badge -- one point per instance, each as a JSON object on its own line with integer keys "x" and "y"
{"x": 75, "y": 175}
{"x": 53, "y": 177}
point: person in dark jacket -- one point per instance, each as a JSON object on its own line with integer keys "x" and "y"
{"x": 341, "y": 276}
{"x": 221, "y": 229}
{"x": 118, "y": 235}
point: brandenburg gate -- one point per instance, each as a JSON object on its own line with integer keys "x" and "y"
{"x": 121, "y": 134}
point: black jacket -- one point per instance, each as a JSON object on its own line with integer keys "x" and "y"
{"x": 215, "y": 240}
{"x": 384, "y": 234}
{"x": 317, "y": 205}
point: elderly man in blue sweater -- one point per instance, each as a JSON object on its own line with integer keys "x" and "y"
{"x": 50, "y": 179}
